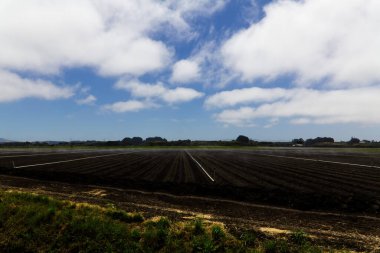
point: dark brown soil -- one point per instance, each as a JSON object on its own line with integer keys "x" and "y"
{"x": 254, "y": 177}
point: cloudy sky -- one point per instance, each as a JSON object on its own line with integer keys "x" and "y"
{"x": 207, "y": 69}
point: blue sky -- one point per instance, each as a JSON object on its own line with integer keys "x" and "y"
{"x": 271, "y": 70}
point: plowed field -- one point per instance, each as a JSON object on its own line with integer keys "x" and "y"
{"x": 305, "y": 180}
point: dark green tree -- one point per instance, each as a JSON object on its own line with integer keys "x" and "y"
{"x": 242, "y": 139}
{"x": 354, "y": 140}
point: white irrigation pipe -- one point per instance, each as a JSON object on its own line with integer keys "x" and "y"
{"x": 213, "y": 180}
{"x": 318, "y": 160}
{"x": 66, "y": 161}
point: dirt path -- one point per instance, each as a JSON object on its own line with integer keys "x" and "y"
{"x": 356, "y": 232}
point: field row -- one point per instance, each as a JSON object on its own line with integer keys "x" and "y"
{"x": 253, "y": 176}
{"x": 147, "y": 166}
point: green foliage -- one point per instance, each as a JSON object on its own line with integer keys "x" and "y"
{"x": 217, "y": 233}
{"x": 34, "y": 223}
{"x": 124, "y": 216}
{"x": 198, "y": 227}
{"x": 163, "y": 223}
{"x": 270, "y": 246}
{"x": 135, "y": 234}
{"x": 155, "y": 234}
{"x": 248, "y": 239}
{"x": 203, "y": 243}
{"x": 299, "y": 237}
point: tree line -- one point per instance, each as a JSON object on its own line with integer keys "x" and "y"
{"x": 241, "y": 140}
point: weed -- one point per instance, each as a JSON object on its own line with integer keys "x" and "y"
{"x": 298, "y": 237}
{"x": 202, "y": 243}
{"x": 163, "y": 223}
{"x": 217, "y": 233}
{"x": 248, "y": 239}
{"x": 283, "y": 246}
{"x": 270, "y": 246}
{"x": 135, "y": 234}
{"x": 154, "y": 239}
{"x": 124, "y": 216}
{"x": 156, "y": 233}
{"x": 198, "y": 227}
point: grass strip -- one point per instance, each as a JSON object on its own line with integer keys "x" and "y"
{"x": 36, "y": 223}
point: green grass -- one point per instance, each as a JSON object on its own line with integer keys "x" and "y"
{"x": 35, "y": 223}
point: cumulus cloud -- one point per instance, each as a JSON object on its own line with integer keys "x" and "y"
{"x": 139, "y": 89}
{"x": 185, "y": 71}
{"x": 14, "y": 87}
{"x": 158, "y": 91}
{"x": 180, "y": 95}
{"x": 89, "y": 100}
{"x": 245, "y": 96}
{"x": 315, "y": 40}
{"x": 112, "y": 36}
{"x": 358, "y": 105}
{"x": 129, "y": 106}
{"x": 328, "y": 48}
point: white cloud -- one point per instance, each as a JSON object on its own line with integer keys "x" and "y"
{"x": 203, "y": 7}
{"x": 180, "y": 95}
{"x": 114, "y": 37}
{"x": 245, "y": 96}
{"x": 359, "y": 105}
{"x": 185, "y": 71}
{"x": 158, "y": 91}
{"x": 272, "y": 122}
{"x": 139, "y": 89}
{"x": 13, "y": 88}
{"x": 89, "y": 100}
{"x": 129, "y": 106}
{"x": 316, "y": 40}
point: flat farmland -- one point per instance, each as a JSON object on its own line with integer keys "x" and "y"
{"x": 297, "y": 178}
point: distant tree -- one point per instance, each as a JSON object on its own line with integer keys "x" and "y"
{"x": 137, "y": 141}
{"x": 132, "y": 141}
{"x": 112, "y": 143}
{"x": 180, "y": 143}
{"x": 242, "y": 139}
{"x": 155, "y": 139}
{"x": 127, "y": 141}
{"x": 298, "y": 141}
{"x": 354, "y": 140}
{"x": 318, "y": 140}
